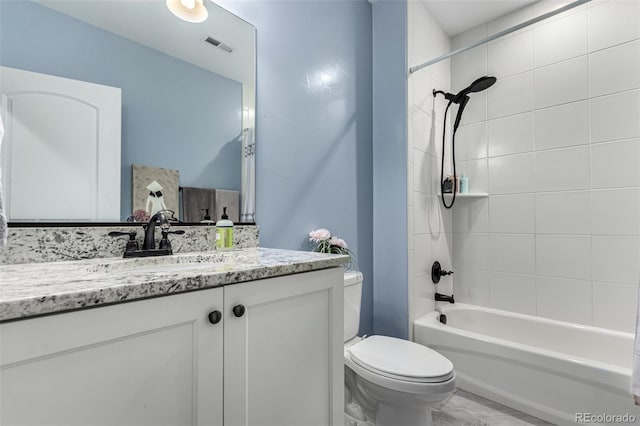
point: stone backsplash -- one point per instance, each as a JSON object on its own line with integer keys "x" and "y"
{"x": 52, "y": 244}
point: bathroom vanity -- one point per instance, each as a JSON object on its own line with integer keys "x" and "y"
{"x": 246, "y": 337}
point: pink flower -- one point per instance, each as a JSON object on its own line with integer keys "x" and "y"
{"x": 141, "y": 215}
{"x": 319, "y": 235}
{"x": 335, "y": 241}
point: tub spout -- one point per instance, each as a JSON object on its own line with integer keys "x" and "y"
{"x": 444, "y": 298}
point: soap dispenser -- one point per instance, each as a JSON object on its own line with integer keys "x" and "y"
{"x": 206, "y": 219}
{"x": 224, "y": 232}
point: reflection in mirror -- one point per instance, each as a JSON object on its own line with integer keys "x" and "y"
{"x": 184, "y": 97}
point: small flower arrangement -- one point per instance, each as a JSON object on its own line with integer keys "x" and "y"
{"x": 326, "y": 243}
{"x": 141, "y": 215}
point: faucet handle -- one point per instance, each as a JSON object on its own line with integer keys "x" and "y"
{"x": 130, "y": 234}
{"x": 132, "y": 244}
{"x": 165, "y": 244}
{"x": 437, "y": 272}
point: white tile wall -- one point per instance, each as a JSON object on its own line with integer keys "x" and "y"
{"x": 605, "y": 79}
{"x": 422, "y": 177}
{"x": 430, "y": 225}
{"x": 561, "y": 82}
{"x": 421, "y": 129}
{"x": 563, "y": 213}
{"x": 615, "y": 164}
{"x": 614, "y": 306}
{"x": 513, "y": 292}
{"x": 472, "y": 286}
{"x": 612, "y": 23}
{"x": 510, "y": 95}
{"x": 567, "y": 256}
{"x": 565, "y": 299}
{"x": 615, "y": 211}
{"x": 473, "y": 218}
{"x": 615, "y": 116}
{"x": 559, "y": 235}
{"x": 615, "y": 259}
{"x": 512, "y": 214}
{"x": 513, "y": 253}
{"x": 421, "y": 206}
{"x": 466, "y": 67}
{"x": 512, "y": 174}
{"x": 422, "y": 251}
{"x": 510, "y": 135}
{"x": 562, "y": 169}
{"x": 471, "y": 141}
{"x": 561, "y": 126}
{"x": 471, "y": 251}
{"x": 571, "y": 29}
{"x": 510, "y": 55}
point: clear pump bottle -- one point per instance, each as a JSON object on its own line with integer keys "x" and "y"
{"x": 224, "y": 232}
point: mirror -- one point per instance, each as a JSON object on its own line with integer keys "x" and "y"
{"x": 187, "y": 95}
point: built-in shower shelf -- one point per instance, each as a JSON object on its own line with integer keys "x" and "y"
{"x": 468, "y": 195}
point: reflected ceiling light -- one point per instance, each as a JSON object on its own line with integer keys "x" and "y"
{"x": 188, "y": 10}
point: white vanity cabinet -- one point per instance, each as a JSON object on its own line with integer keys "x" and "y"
{"x": 150, "y": 362}
{"x": 162, "y": 361}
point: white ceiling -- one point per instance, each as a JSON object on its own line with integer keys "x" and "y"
{"x": 150, "y": 23}
{"x": 457, "y": 16}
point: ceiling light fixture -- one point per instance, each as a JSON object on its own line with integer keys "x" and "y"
{"x": 188, "y": 10}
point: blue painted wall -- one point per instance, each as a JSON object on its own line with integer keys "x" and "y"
{"x": 200, "y": 140}
{"x": 314, "y": 125}
{"x": 390, "y": 296}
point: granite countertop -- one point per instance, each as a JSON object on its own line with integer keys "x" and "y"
{"x": 44, "y": 288}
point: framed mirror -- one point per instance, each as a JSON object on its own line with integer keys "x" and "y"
{"x": 171, "y": 95}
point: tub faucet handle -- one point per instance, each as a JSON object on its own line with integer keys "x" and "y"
{"x": 437, "y": 272}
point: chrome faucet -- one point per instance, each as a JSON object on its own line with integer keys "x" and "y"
{"x": 150, "y": 230}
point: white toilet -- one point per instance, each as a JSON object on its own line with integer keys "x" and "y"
{"x": 389, "y": 381}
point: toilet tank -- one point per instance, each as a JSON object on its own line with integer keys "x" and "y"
{"x": 352, "y": 297}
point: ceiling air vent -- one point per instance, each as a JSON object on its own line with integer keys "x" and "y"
{"x": 217, "y": 43}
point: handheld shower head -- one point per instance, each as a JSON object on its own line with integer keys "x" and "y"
{"x": 483, "y": 83}
{"x": 461, "y": 98}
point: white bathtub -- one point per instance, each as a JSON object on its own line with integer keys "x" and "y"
{"x": 547, "y": 368}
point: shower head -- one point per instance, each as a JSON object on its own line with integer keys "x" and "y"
{"x": 483, "y": 83}
{"x": 462, "y": 97}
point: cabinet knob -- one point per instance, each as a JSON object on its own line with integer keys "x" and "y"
{"x": 215, "y": 317}
{"x": 238, "y": 310}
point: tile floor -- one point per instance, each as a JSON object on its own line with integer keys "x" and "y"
{"x": 467, "y": 409}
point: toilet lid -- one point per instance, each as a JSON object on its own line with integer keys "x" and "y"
{"x": 401, "y": 359}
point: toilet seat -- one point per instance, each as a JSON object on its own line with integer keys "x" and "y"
{"x": 401, "y": 360}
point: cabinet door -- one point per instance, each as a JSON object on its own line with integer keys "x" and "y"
{"x": 283, "y": 358}
{"x": 151, "y": 362}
